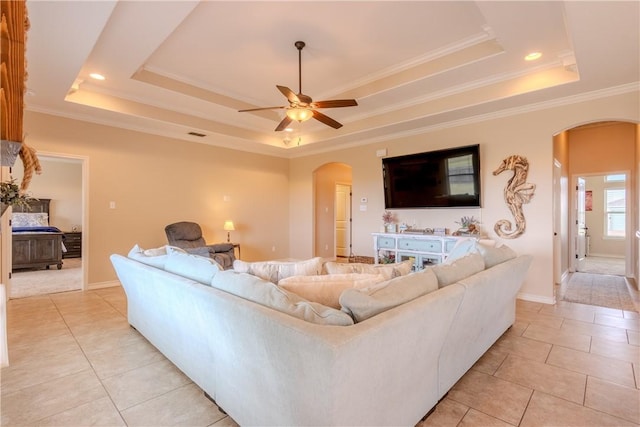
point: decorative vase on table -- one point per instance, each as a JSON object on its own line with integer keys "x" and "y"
{"x": 388, "y": 219}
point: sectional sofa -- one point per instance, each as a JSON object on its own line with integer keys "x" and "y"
{"x": 268, "y": 356}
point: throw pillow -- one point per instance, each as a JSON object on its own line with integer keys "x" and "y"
{"x": 270, "y": 295}
{"x": 274, "y": 271}
{"x": 494, "y": 256}
{"x": 467, "y": 245}
{"x": 458, "y": 269}
{"x": 155, "y": 257}
{"x": 29, "y": 219}
{"x": 463, "y": 246}
{"x": 194, "y": 267}
{"x": 389, "y": 271}
{"x": 326, "y": 289}
{"x": 362, "y": 304}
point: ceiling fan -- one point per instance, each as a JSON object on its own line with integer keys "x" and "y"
{"x": 302, "y": 107}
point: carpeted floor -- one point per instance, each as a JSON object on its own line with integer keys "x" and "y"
{"x": 25, "y": 283}
{"x": 598, "y": 289}
{"x": 603, "y": 265}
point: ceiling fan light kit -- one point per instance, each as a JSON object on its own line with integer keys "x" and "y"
{"x": 299, "y": 114}
{"x": 301, "y": 107}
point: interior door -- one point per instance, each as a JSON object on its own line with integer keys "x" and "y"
{"x": 581, "y": 226}
{"x": 343, "y": 220}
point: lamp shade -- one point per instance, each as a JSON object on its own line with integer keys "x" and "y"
{"x": 299, "y": 114}
{"x": 228, "y": 226}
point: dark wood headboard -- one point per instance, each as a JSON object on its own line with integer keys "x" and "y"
{"x": 37, "y": 205}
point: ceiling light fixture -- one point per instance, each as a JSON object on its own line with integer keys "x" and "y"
{"x": 299, "y": 114}
{"x": 533, "y": 56}
{"x": 97, "y": 76}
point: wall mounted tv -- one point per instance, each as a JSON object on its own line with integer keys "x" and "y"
{"x": 434, "y": 179}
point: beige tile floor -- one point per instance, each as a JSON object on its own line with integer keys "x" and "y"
{"x": 75, "y": 362}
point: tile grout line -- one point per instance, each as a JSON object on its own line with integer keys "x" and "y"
{"x": 91, "y": 366}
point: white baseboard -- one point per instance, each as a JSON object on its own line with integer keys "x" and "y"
{"x": 593, "y": 254}
{"x": 536, "y": 298}
{"x": 100, "y": 285}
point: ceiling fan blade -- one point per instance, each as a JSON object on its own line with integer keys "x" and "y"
{"x": 326, "y": 120}
{"x": 284, "y": 123}
{"x": 291, "y": 96}
{"x": 335, "y": 103}
{"x": 260, "y": 109}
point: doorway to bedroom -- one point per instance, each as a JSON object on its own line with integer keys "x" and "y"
{"x": 61, "y": 181}
{"x": 332, "y": 211}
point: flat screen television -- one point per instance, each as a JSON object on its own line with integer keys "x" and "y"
{"x": 434, "y": 179}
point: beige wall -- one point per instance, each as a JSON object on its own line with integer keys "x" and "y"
{"x": 326, "y": 178}
{"x": 60, "y": 181}
{"x": 528, "y": 134}
{"x": 602, "y": 148}
{"x": 155, "y": 181}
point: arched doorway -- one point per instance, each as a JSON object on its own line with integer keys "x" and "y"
{"x": 332, "y": 210}
{"x": 593, "y": 150}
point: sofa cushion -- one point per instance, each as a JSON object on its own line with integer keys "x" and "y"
{"x": 362, "y": 304}
{"x": 326, "y": 289}
{"x": 271, "y": 295}
{"x": 274, "y": 271}
{"x": 389, "y": 271}
{"x": 194, "y": 267}
{"x": 458, "y": 269}
{"x": 495, "y": 255}
{"x": 155, "y": 257}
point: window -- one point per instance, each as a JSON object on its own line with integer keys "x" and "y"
{"x": 615, "y": 216}
{"x": 620, "y": 177}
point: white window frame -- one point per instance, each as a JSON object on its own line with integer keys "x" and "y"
{"x": 606, "y": 232}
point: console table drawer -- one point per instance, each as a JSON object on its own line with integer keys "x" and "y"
{"x": 386, "y": 242}
{"x": 420, "y": 245}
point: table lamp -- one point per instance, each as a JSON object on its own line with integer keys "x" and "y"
{"x": 228, "y": 227}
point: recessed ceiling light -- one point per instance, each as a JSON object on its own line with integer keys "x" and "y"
{"x": 533, "y": 56}
{"x": 96, "y": 76}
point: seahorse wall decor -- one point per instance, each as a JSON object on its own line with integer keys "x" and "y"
{"x": 516, "y": 193}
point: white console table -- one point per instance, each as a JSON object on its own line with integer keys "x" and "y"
{"x": 424, "y": 249}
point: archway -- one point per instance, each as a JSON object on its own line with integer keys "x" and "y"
{"x": 332, "y": 210}
{"x": 593, "y": 149}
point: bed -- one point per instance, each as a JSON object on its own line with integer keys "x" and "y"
{"x": 36, "y": 243}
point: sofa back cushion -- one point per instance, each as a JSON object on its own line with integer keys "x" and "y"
{"x": 362, "y": 304}
{"x": 270, "y": 295}
{"x": 492, "y": 254}
{"x": 326, "y": 289}
{"x": 495, "y": 255}
{"x": 389, "y": 271}
{"x": 274, "y": 271}
{"x": 194, "y": 267}
{"x": 155, "y": 257}
{"x": 448, "y": 273}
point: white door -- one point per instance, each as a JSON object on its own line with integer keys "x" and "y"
{"x": 343, "y": 220}
{"x": 581, "y": 226}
